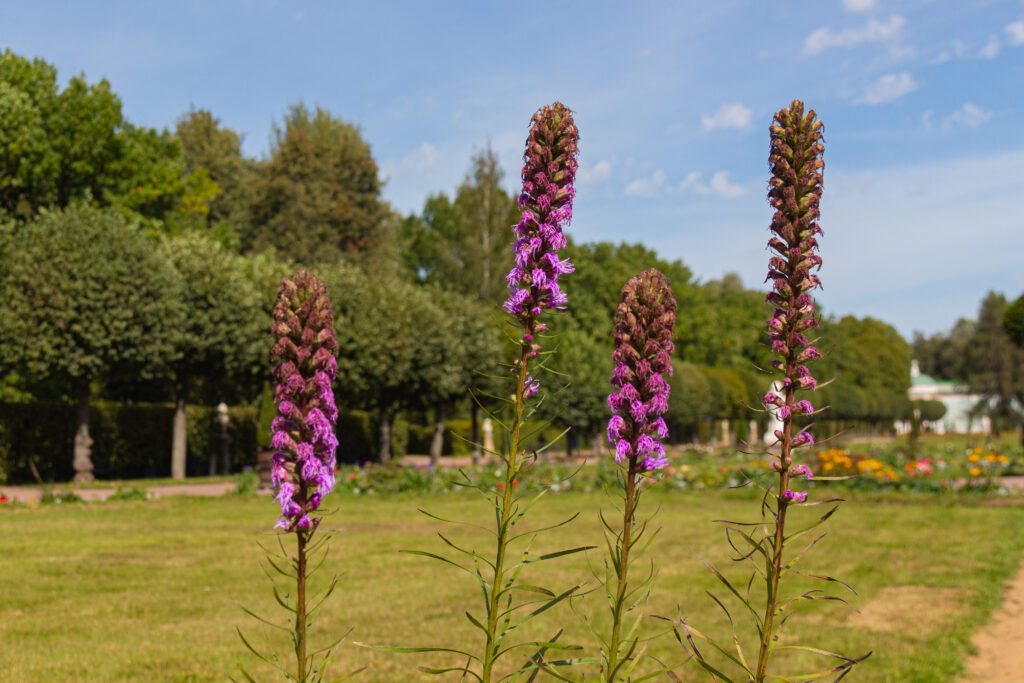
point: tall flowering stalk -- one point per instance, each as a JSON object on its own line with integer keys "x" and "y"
{"x": 304, "y": 443}
{"x": 549, "y": 170}
{"x": 644, "y": 329}
{"x": 797, "y": 145}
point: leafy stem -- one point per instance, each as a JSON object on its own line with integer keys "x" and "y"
{"x": 778, "y": 543}
{"x": 621, "y": 563}
{"x": 512, "y": 464}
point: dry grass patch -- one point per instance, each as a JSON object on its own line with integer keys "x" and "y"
{"x": 921, "y": 610}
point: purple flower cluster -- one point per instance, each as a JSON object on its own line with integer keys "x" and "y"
{"x": 303, "y": 432}
{"x": 549, "y": 169}
{"x": 644, "y": 329}
{"x": 795, "y": 194}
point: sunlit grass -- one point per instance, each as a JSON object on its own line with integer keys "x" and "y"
{"x": 148, "y": 591}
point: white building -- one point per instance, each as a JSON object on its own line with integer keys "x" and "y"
{"x": 958, "y": 401}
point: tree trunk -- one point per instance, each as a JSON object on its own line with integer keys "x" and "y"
{"x": 384, "y": 455}
{"x": 437, "y": 444}
{"x": 474, "y": 419}
{"x": 225, "y": 451}
{"x": 179, "y": 440}
{"x": 83, "y": 442}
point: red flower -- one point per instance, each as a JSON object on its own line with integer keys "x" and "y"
{"x": 3, "y": 499}
{"x": 501, "y": 486}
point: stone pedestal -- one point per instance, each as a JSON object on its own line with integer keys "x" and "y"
{"x": 488, "y": 429}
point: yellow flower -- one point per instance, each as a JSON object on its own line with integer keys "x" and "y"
{"x": 975, "y": 471}
{"x": 974, "y": 457}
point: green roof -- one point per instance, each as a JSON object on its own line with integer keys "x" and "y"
{"x": 928, "y": 379}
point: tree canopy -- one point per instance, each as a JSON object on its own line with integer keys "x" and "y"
{"x": 86, "y": 294}
{"x": 318, "y": 197}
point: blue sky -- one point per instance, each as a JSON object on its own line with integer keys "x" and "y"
{"x": 923, "y": 103}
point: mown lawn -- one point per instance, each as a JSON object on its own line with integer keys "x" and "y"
{"x": 149, "y": 591}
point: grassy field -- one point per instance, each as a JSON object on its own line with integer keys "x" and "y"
{"x": 149, "y": 591}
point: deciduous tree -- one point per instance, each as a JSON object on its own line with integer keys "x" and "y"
{"x": 318, "y": 197}
{"x": 87, "y": 295}
{"x": 223, "y": 339}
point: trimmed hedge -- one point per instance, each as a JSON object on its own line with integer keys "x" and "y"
{"x": 129, "y": 440}
{"x": 133, "y": 441}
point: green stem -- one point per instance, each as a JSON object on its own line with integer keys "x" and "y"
{"x": 505, "y": 511}
{"x": 300, "y": 604}
{"x": 779, "y": 539}
{"x": 625, "y": 542}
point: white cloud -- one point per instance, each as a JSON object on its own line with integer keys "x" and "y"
{"x": 596, "y": 173}
{"x": 873, "y": 32}
{"x": 1016, "y": 32}
{"x": 859, "y": 5}
{"x": 728, "y": 116}
{"x": 720, "y": 185}
{"x": 423, "y": 158}
{"x": 888, "y": 88}
{"x": 425, "y": 169}
{"x": 950, "y": 224}
{"x": 646, "y": 187}
{"x": 970, "y": 115}
{"x": 991, "y": 49}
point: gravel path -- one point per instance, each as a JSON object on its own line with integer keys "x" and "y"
{"x": 1000, "y": 644}
{"x": 30, "y": 495}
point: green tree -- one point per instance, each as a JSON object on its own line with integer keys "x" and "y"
{"x": 462, "y": 243}
{"x": 583, "y": 368}
{"x": 452, "y": 358}
{"x": 318, "y": 197}
{"x": 996, "y": 365}
{"x": 62, "y": 146}
{"x": 944, "y": 354}
{"x": 217, "y": 150}
{"x": 869, "y": 362}
{"x": 87, "y": 129}
{"x": 151, "y": 183}
{"x": 54, "y": 146}
{"x": 1013, "y": 321}
{"x": 87, "y": 295}
{"x": 224, "y": 338}
{"x": 381, "y": 323}
{"x": 601, "y": 270}
{"x": 689, "y": 403}
{"x": 724, "y": 325}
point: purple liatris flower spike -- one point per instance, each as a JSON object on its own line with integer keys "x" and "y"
{"x": 644, "y": 329}
{"x": 795, "y": 194}
{"x": 794, "y": 496}
{"x": 801, "y": 471}
{"x": 303, "y": 432}
{"x": 549, "y": 170}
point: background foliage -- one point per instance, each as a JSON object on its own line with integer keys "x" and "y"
{"x": 140, "y": 262}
